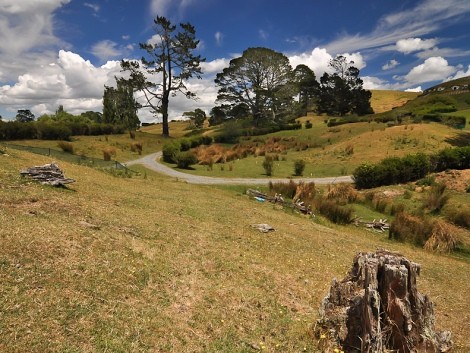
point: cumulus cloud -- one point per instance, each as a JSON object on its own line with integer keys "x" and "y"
{"x": 411, "y": 45}
{"x": 433, "y": 69}
{"x": 390, "y": 64}
{"x": 215, "y": 66}
{"x": 69, "y": 80}
{"x": 459, "y": 74}
{"x": 106, "y": 49}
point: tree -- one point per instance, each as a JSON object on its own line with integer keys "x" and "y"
{"x": 120, "y": 106}
{"x": 171, "y": 59}
{"x": 307, "y": 86}
{"x": 261, "y": 79}
{"x": 24, "y": 116}
{"x": 217, "y": 115}
{"x": 197, "y": 117}
{"x": 341, "y": 92}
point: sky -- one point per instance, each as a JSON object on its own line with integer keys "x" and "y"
{"x": 63, "y": 52}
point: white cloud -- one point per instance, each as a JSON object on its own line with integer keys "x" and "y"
{"x": 69, "y": 80}
{"x": 318, "y": 60}
{"x": 218, "y": 38}
{"x": 433, "y": 69}
{"x": 416, "y": 89}
{"x": 215, "y": 66}
{"x": 106, "y": 49}
{"x": 426, "y": 17}
{"x": 459, "y": 74}
{"x": 390, "y": 64}
{"x": 163, "y": 7}
{"x": 410, "y": 45}
{"x": 356, "y": 58}
{"x": 94, "y": 7}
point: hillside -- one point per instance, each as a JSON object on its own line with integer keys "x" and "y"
{"x": 127, "y": 265}
{"x": 385, "y": 100}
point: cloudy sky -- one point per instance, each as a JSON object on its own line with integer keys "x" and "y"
{"x": 63, "y": 52}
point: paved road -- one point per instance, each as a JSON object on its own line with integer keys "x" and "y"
{"x": 150, "y": 162}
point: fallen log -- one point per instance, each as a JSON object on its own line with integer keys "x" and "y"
{"x": 278, "y": 199}
{"x": 47, "y": 174}
{"x": 380, "y": 225}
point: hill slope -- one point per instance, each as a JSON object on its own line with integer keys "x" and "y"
{"x": 153, "y": 264}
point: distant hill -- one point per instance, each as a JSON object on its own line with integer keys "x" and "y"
{"x": 460, "y": 85}
{"x": 385, "y": 100}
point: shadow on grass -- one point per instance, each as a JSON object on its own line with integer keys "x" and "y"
{"x": 460, "y": 140}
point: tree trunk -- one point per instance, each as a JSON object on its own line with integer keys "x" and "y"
{"x": 377, "y": 308}
{"x": 166, "y": 128}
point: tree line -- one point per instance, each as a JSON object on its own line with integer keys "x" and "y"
{"x": 260, "y": 86}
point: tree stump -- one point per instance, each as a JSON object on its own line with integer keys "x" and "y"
{"x": 377, "y": 308}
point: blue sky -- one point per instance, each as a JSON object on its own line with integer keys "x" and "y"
{"x": 63, "y": 52}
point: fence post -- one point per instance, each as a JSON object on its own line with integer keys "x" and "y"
{"x": 49, "y": 151}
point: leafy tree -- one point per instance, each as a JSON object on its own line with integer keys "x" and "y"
{"x": 171, "y": 60}
{"x": 341, "y": 92}
{"x": 24, "y": 116}
{"x": 217, "y": 115}
{"x": 97, "y": 117}
{"x": 260, "y": 80}
{"x": 197, "y": 117}
{"x": 307, "y": 86}
{"x": 120, "y": 106}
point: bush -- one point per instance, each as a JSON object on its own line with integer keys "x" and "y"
{"x": 185, "y": 159}
{"x": 65, "y": 146}
{"x": 268, "y": 165}
{"x": 443, "y": 237}
{"x": 342, "y": 193}
{"x": 308, "y": 124}
{"x": 411, "y": 229}
{"x": 335, "y": 213}
{"x": 287, "y": 190}
{"x": 169, "y": 151}
{"x": 435, "y": 199}
{"x": 299, "y": 166}
{"x": 108, "y": 153}
{"x": 460, "y": 217}
{"x": 185, "y": 144}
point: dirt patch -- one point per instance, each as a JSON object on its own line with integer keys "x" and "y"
{"x": 458, "y": 180}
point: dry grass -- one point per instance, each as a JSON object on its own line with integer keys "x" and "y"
{"x": 156, "y": 265}
{"x": 384, "y": 100}
{"x": 443, "y": 237}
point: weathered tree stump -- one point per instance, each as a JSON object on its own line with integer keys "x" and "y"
{"x": 377, "y": 308}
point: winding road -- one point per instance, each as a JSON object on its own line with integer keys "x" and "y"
{"x": 150, "y": 162}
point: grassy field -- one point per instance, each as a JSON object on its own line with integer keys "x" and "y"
{"x": 384, "y": 100}
{"x": 150, "y": 264}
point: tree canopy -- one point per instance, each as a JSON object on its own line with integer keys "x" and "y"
{"x": 120, "y": 106}
{"x": 24, "y": 116}
{"x": 341, "y": 92}
{"x": 169, "y": 62}
{"x": 197, "y": 117}
{"x": 261, "y": 80}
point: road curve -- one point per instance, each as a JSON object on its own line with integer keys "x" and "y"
{"x": 151, "y": 162}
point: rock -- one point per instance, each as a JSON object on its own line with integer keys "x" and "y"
{"x": 264, "y": 228}
{"x": 377, "y": 308}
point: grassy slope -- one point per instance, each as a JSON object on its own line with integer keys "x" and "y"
{"x": 384, "y": 100}
{"x": 175, "y": 267}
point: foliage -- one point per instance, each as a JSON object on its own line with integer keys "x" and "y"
{"x": 299, "y": 166}
{"x": 307, "y": 87}
{"x": 285, "y": 189}
{"x": 185, "y": 159}
{"x": 217, "y": 116}
{"x": 197, "y": 117}
{"x": 268, "y": 165}
{"x": 341, "y": 92}
{"x": 24, "y": 116}
{"x": 170, "y": 57}
{"x": 261, "y": 79}
{"x": 120, "y": 106}
{"x": 170, "y": 150}
{"x": 435, "y": 198}
{"x": 333, "y": 211}
{"x": 308, "y": 124}
{"x": 442, "y": 238}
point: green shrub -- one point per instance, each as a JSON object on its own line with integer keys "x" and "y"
{"x": 308, "y": 124}
{"x": 185, "y": 144}
{"x": 185, "y": 159}
{"x": 169, "y": 151}
{"x": 65, "y": 146}
{"x": 299, "y": 166}
{"x": 268, "y": 165}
